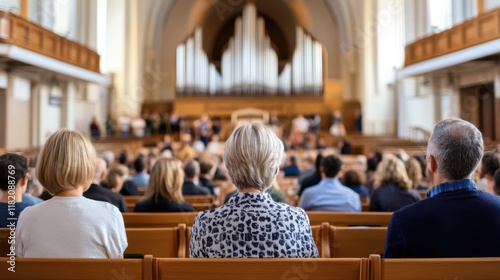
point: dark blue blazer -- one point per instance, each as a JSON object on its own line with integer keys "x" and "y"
{"x": 464, "y": 223}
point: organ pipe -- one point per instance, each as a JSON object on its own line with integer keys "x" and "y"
{"x": 249, "y": 64}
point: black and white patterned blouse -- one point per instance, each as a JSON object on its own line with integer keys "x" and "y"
{"x": 252, "y": 225}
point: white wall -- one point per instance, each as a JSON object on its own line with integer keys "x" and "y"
{"x": 18, "y": 116}
{"x": 491, "y": 4}
{"x": 11, "y": 5}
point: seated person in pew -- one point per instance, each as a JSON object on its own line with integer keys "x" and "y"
{"x": 69, "y": 225}
{"x": 102, "y": 193}
{"x": 141, "y": 176}
{"x": 207, "y": 171}
{"x": 251, "y": 224}
{"x": 490, "y": 164}
{"x": 456, "y": 220}
{"x": 191, "y": 185}
{"x": 164, "y": 192}
{"x": 314, "y": 178}
{"x": 33, "y": 190}
{"x": 330, "y": 194}
{"x": 13, "y": 181}
{"x": 496, "y": 188}
{"x": 414, "y": 172}
{"x": 354, "y": 180}
{"x": 392, "y": 187}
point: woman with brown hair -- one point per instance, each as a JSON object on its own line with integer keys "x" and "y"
{"x": 393, "y": 188}
{"x": 164, "y": 192}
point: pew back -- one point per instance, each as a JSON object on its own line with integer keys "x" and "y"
{"x": 350, "y": 219}
{"x": 157, "y": 220}
{"x": 434, "y": 269}
{"x": 348, "y": 269}
{"x": 78, "y": 269}
{"x": 354, "y": 242}
{"x": 159, "y": 242}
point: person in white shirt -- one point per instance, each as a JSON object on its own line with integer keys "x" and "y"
{"x": 138, "y": 126}
{"x": 301, "y": 124}
{"x": 124, "y": 122}
{"x": 69, "y": 225}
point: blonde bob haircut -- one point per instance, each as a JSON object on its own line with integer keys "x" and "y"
{"x": 165, "y": 181}
{"x": 66, "y": 161}
{"x": 392, "y": 170}
{"x": 252, "y": 155}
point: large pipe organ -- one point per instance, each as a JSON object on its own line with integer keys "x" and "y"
{"x": 249, "y": 65}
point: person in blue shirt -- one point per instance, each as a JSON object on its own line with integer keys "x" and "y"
{"x": 141, "y": 177}
{"x": 330, "y": 194}
{"x": 13, "y": 181}
{"x": 445, "y": 225}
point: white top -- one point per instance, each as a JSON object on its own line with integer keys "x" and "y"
{"x": 301, "y": 124}
{"x": 71, "y": 227}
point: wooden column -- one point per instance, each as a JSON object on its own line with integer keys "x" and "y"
{"x": 480, "y": 6}
{"x": 24, "y": 9}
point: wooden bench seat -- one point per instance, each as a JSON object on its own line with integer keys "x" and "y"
{"x": 159, "y": 242}
{"x": 434, "y": 269}
{"x": 341, "y": 269}
{"x": 356, "y": 242}
{"x": 198, "y": 202}
{"x": 78, "y": 269}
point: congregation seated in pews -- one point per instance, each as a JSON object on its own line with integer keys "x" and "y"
{"x": 343, "y": 241}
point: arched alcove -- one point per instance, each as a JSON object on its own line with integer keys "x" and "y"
{"x": 172, "y": 21}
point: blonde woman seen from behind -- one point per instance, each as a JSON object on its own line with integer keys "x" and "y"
{"x": 69, "y": 225}
{"x": 164, "y": 192}
{"x": 392, "y": 187}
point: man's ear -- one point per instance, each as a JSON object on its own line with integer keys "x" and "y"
{"x": 24, "y": 180}
{"x": 432, "y": 164}
{"x": 103, "y": 176}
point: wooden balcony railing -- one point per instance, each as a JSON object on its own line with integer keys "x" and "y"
{"x": 20, "y": 32}
{"x": 481, "y": 29}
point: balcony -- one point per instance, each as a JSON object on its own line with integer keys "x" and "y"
{"x": 17, "y": 31}
{"x": 473, "y": 32}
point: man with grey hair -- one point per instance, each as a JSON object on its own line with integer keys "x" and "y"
{"x": 446, "y": 224}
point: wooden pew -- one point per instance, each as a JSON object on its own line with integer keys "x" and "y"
{"x": 159, "y": 242}
{"x": 4, "y": 239}
{"x": 73, "y": 269}
{"x": 201, "y": 202}
{"x": 321, "y": 239}
{"x": 434, "y": 269}
{"x": 342, "y": 269}
{"x": 158, "y": 220}
{"x": 142, "y": 190}
{"x": 356, "y": 242}
{"x": 3, "y": 151}
{"x": 377, "y": 219}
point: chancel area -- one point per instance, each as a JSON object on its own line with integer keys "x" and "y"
{"x": 249, "y": 139}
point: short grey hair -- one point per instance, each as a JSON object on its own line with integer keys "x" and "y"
{"x": 457, "y": 146}
{"x": 252, "y": 155}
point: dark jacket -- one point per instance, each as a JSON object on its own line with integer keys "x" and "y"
{"x": 453, "y": 224}
{"x": 389, "y": 198}
{"x": 97, "y": 192}
{"x": 189, "y": 188}
{"x": 166, "y": 206}
{"x": 204, "y": 182}
{"x": 310, "y": 181}
{"x": 129, "y": 188}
